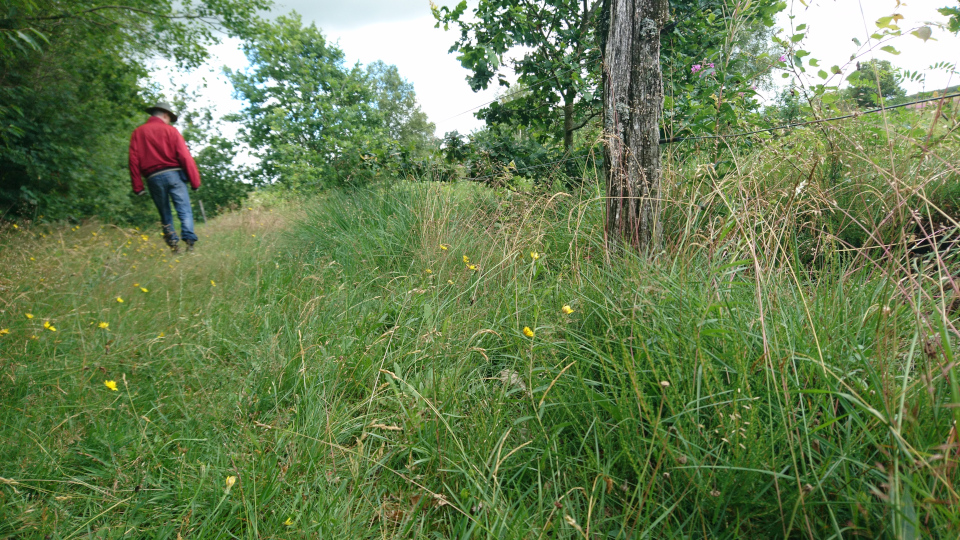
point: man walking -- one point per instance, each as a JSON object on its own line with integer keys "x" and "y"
{"x": 159, "y": 153}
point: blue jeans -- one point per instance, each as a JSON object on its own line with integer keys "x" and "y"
{"x": 167, "y": 186}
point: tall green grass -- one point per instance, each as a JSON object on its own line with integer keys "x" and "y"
{"x": 361, "y": 368}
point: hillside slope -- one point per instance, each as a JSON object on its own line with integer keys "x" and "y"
{"x": 443, "y": 361}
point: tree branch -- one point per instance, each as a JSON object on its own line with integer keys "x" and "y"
{"x": 595, "y": 114}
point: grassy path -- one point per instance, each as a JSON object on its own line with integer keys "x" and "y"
{"x": 92, "y": 304}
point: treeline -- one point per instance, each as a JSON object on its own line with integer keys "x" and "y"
{"x": 74, "y": 84}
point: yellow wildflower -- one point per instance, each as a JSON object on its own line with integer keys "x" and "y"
{"x": 213, "y": 283}
{"x": 52, "y": 328}
{"x": 450, "y": 281}
{"x": 29, "y": 315}
{"x": 162, "y": 334}
{"x": 111, "y": 385}
{"x": 472, "y": 267}
{"x": 144, "y": 289}
{"x": 567, "y": 309}
{"x": 534, "y": 255}
{"x": 32, "y": 259}
{"x": 136, "y": 284}
{"x": 288, "y": 522}
{"x": 4, "y": 331}
{"x": 429, "y": 271}
{"x": 15, "y": 226}
{"x": 34, "y": 337}
{"x": 103, "y": 325}
{"x": 466, "y": 260}
{"x": 144, "y": 237}
{"x": 119, "y": 300}
{"x": 94, "y": 234}
{"x": 231, "y": 480}
{"x": 527, "y": 331}
{"x": 443, "y": 247}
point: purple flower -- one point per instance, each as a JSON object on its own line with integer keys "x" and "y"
{"x": 753, "y": 87}
{"x": 696, "y": 67}
{"x": 783, "y": 58}
{"x": 710, "y": 64}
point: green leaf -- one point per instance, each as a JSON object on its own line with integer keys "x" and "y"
{"x": 890, "y": 49}
{"x": 857, "y": 41}
{"x": 823, "y": 74}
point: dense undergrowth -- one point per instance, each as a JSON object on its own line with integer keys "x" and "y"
{"x": 401, "y": 364}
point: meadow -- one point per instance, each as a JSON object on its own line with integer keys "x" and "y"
{"x": 448, "y": 360}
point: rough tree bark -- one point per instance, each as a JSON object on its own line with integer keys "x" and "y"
{"x": 632, "y": 103}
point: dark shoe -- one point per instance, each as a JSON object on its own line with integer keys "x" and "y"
{"x": 189, "y": 247}
{"x": 174, "y": 248}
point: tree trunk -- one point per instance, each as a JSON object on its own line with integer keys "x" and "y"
{"x": 568, "y": 120}
{"x": 632, "y": 103}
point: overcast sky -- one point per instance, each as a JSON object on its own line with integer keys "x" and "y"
{"x": 401, "y": 32}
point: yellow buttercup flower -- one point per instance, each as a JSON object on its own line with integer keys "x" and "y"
{"x": 119, "y": 300}
{"x": 567, "y": 309}
{"x": 443, "y": 247}
{"x": 534, "y": 255}
{"x": 103, "y": 325}
{"x": 472, "y": 267}
{"x": 429, "y": 271}
{"x": 288, "y": 522}
{"x": 231, "y": 480}
{"x": 144, "y": 289}
{"x": 466, "y": 260}
{"x": 213, "y": 283}
{"x": 29, "y": 315}
{"x": 162, "y": 334}
{"x": 32, "y": 259}
{"x": 111, "y": 385}
{"x": 450, "y": 281}
{"x": 527, "y": 332}
{"x": 52, "y": 328}
{"x": 136, "y": 284}
{"x": 4, "y": 331}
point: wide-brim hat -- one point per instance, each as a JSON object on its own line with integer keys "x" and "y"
{"x": 165, "y": 107}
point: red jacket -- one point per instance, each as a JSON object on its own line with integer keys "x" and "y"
{"x": 155, "y": 146}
